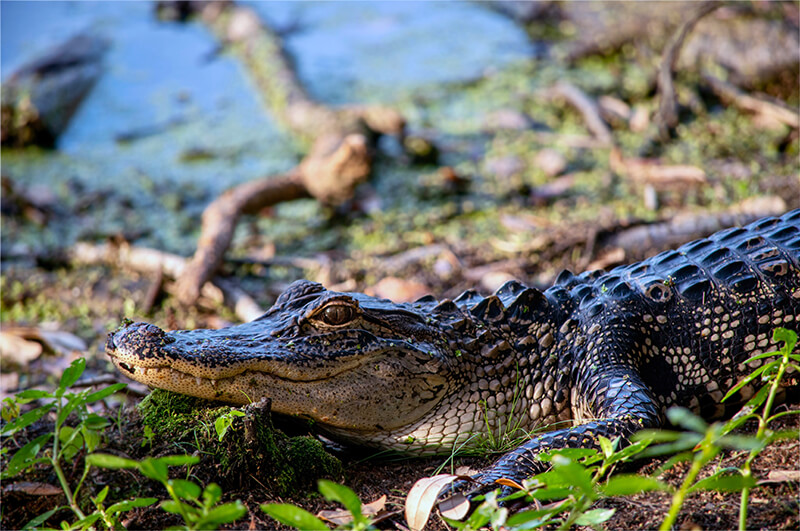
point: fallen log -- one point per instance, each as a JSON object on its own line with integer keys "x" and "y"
{"x": 731, "y": 94}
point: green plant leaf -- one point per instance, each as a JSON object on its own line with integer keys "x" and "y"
{"x": 86, "y": 523}
{"x": 42, "y": 518}
{"x": 296, "y": 517}
{"x": 595, "y": 516}
{"x": 224, "y": 422}
{"x": 762, "y": 356}
{"x": 68, "y": 408}
{"x": 741, "y": 442}
{"x": 606, "y": 446}
{"x": 627, "y": 484}
{"x": 550, "y": 493}
{"x": 127, "y": 505}
{"x": 26, "y": 419}
{"x": 91, "y": 438}
{"x": 171, "y": 506}
{"x": 339, "y": 493}
{"x": 71, "y": 442}
{"x": 110, "y": 461}
{"x": 101, "y": 496}
{"x": 573, "y": 473}
{"x": 746, "y": 380}
{"x": 787, "y": 336}
{"x": 154, "y": 469}
{"x": 71, "y": 375}
{"x": 724, "y": 483}
{"x": 629, "y": 451}
{"x": 226, "y": 513}
{"x": 573, "y": 454}
{"x": 531, "y": 519}
{"x": 102, "y": 393}
{"x": 211, "y": 495}
{"x": 178, "y": 460}
{"x": 25, "y": 456}
{"x": 781, "y": 435}
{"x": 185, "y": 489}
{"x": 686, "y": 419}
{"x": 29, "y": 395}
{"x": 782, "y": 414}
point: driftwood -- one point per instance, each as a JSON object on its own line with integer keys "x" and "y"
{"x": 587, "y": 107}
{"x": 775, "y": 110}
{"x": 685, "y": 227}
{"x": 652, "y": 172}
{"x": 667, "y": 116}
{"x": 340, "y": 140}
{"x": 41, "y": 96}
{"x": 154, "y": 262}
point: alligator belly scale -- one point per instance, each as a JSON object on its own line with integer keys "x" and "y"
{"x": 601, "y": 353}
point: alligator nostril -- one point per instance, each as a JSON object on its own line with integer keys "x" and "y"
{"x": 110, "y": 345}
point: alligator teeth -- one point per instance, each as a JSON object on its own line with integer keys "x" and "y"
{"x": 198, "y": 380}
{"x": 145, "y": 370}
{"x": 214, "y": 383}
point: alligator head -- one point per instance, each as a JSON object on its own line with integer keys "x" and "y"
{"x": 413, "y": 377}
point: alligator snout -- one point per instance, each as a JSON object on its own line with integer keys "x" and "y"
{"x": 137, "y": 336}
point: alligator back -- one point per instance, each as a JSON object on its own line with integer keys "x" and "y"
{"x": 700, "y": 310}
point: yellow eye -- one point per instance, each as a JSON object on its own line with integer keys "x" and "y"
{"x": 338, "y": 314}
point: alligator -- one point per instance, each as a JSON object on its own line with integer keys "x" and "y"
{"x": 600, "y": 353}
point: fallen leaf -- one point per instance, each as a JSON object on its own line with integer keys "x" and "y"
{"x": 17, "y": 351}
{"x": 344, "y": 517}
{"x": 33, "y": 488}
{"x": 57, "y": 341}
{"x": 781, "y": 476}
{"x": 509, "y": 483}
{"x": 455, "y": 508}
{"x": 422, "y": 497}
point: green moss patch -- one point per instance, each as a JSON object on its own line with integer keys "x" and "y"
{"x": 251, "y": 453}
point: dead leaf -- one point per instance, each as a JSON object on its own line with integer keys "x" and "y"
{"x": 18, "y": 351}
{"x": 343, "y": 516}
{"x": 781, "y": 476}
{"x": 455, "y": 508}
{"x": 422, "y": 497}
{"x": 336, "y": 516}
{"x": 56, "y": 341}
{"x": 33, "y": 488}
{"x": 509, "y": 483}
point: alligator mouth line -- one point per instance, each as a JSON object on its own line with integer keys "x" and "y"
{"x": 154, "y": 374}
{"x": 158, "y": 373}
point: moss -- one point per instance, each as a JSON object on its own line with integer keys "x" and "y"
{"x": 251, "y": 454}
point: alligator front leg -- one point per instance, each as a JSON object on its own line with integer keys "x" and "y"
{"x": 622, "y": 405}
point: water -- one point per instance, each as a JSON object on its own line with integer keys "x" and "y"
{"x": 168, "y": 86}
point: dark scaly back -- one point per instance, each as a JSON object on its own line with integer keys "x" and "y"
{"x": 701, "y": 310}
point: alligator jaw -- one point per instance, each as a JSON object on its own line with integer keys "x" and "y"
{"x": 351, "y": 388}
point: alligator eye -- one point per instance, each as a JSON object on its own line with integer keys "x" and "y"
{"x": 338, "y": 314}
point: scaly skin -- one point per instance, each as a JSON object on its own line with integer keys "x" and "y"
{"x": 604, "y": 353}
